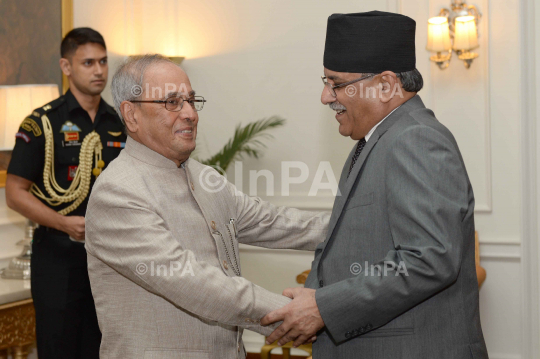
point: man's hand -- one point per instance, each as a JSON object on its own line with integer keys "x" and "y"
{"x": 21, "y": 200}
{"x": 301, "y": 318}
{"x": 74, "y": 226}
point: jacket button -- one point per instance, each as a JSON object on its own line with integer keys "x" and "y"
{"x": 321, "y": 283}
{"x": 348, "y": 335}
{"x": 225, "y": 265}
{"x": 213, "y": 225}
{"x": 192, "y": 187}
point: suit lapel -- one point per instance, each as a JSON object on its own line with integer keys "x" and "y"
{"x": 341, "y": 185}
{"x": 346, "y": 184}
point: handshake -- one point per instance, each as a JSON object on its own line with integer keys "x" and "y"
{"x": 301, "y": 318}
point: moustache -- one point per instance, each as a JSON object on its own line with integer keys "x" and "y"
{"x": 337, "y": 106}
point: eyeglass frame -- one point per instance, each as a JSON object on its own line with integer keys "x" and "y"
{"x": 165, "y": 102}
{"x": 333, "y": 87}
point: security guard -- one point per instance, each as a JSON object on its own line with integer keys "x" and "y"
{"x": 60, "y": 150}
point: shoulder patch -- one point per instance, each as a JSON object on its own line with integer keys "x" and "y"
{"x": 31, "y": 126}
{"x": 22, "y": 135}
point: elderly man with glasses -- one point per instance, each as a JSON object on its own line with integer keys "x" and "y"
{"x": 396, "y": 275}
{"x": 162, "y": 244}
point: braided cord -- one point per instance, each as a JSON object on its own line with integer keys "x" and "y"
{"x": 79, "y": 188}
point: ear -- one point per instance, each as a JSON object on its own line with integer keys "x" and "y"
{"x": 65, "y": 66}
{"x": 128, "y": 113}
{"x": 388, "y": 83}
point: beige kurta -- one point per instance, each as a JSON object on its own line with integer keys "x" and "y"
{"x": 163, "y": 257}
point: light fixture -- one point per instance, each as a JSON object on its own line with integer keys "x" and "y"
{"x": 439, "y": 41}
{"x": 16, "y": 103}
{"x": 460, "y": 24}
{"x": 466, "y": 39}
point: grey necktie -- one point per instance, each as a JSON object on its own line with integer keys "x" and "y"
{"x": 359, "y": 149}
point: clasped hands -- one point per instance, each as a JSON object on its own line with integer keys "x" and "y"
{"x": 301, "y": 318}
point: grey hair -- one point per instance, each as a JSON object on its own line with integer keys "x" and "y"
{"x": 411, "y": 81}
{"x": 127, "y": 83}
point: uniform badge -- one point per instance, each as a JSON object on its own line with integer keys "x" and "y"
{"x": 115, "y": 134}
{"x": 69, "y": 126}
{"x": 71, "y": 136}
{"x": 31, "y": 126}
{"x": 72, "y": 171}
{"x": 70, "y": 131}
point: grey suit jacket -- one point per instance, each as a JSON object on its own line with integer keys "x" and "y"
{"x": 396, "y": 275}
{"x": 164, "y": 263}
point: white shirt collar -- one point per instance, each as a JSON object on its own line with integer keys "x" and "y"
{"x": 377, "y": 125}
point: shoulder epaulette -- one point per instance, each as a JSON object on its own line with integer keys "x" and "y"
{"x": 40, "y": 111}
{"x": 32, "y": 123}
{"x": 50, "y": 106}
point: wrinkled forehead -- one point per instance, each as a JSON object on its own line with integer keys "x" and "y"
{"x": 164, "y": 80}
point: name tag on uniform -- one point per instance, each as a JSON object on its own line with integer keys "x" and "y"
{"x": 116, "y": 144}
{"x": 71, "y": 143}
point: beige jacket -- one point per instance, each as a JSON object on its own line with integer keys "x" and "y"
{"x": 163, "y": 257}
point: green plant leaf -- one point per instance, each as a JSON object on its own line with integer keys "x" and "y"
{"x": 246, "y": 141}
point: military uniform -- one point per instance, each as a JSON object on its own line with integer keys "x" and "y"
{"x": 66, "y": 322}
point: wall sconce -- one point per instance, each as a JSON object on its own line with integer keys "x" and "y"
{"x": 458, "y": 24}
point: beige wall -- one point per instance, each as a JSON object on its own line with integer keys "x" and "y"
{"x": 253, "y": 59}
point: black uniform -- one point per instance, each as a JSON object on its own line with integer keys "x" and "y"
{"x": 66, "y": 321}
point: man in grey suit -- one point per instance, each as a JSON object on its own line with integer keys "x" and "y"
{"x": 162, "y": 232}
{"x": 395, "y": 277}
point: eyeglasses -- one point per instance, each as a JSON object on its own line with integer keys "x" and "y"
{"x": 175, "y": 104}
{"x": 332, "y": 88}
